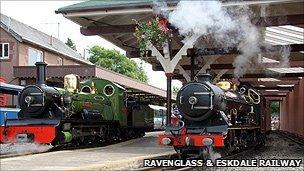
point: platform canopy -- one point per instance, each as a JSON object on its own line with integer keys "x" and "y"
{"x": 133, "y": 87}
{"x": 282, "y": 24}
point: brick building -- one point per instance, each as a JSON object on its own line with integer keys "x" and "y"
{"x": 22, "y": 46}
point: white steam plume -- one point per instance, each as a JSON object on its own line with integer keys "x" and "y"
{"x": 220, "y": 26}
{"x": 23, "y": 148}
{"x": 228, "y": 26}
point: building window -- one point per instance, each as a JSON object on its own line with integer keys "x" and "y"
{"x": 4, "y": 50}
{"x": 34, "y": 56}
{"x": 59, "y": 61}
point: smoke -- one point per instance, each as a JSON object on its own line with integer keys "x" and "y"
{"x": 227, "y": 26}
{"x": 219, "y": 26}
{"x": 161, "y": 8}
{"x": 23, "y": 148}
{"x": 201, "y": 18}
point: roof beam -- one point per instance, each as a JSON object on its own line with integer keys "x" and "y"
{"x": 233, "y": 50}
{"x": 218, "y": 76}
{"x": 274, "y": 95}
{"x": 280, "y": 79}
{"x": 231, "y": 67}
{"x": 219, "y": 51}
{"x": 273, "y": 83}
{"x": 278, "y": 20}
{"x": 97, "y": 30}
{"x": 286, "y": 76}
{"x": 274, "y": 88}
{"x": 274, "y": 98}
{"x": 259, "y": 21}
{"x": 281, "y": 75}
{"x": 264, "y": 65}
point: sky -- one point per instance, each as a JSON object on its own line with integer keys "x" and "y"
{"x": 41, "y": 15}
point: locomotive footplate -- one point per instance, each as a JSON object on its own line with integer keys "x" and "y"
{"x": 244, "y": 127}
{"x": 189, "y": 139}
{"x": 39, "y": 130}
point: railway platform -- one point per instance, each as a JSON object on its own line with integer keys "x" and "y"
{"x": 123, "y": 154}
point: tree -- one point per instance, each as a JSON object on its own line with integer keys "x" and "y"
{"x": 71, "y": 44}
{"x": 275, "y": 107}
{"x": 115, "y": 61}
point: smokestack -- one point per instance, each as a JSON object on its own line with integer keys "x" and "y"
{"x": 41, "y": 73}
{"x": 203, "y": 77}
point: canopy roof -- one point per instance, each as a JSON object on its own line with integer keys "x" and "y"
{"x": 283, "y": 24}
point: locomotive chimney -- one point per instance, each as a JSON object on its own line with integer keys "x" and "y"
{"x": 41, "y": 72}
{"x": 203, "y": 77}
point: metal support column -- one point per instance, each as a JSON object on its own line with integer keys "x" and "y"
{"x": 169, "y": 97}
{"x": 169, "y": 86}
{"x": 192, "y": 74}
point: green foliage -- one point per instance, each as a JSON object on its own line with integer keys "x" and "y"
{"x": 155, "y": 31}
{"x": 275, "y": 107}
{"x": 71, "y": 44}
{"x": 115, "y": 61}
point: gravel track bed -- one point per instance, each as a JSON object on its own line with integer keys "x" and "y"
{"x": 277, "y": 147}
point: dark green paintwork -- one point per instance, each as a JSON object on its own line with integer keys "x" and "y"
{"x": 115, "y": 104}
{"x": 111, "y": 107}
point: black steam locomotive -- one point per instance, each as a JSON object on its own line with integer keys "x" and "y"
{"x": 221, "y": 116}
{"x": 89, "y": 112}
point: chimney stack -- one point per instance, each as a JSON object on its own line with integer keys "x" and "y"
{"x": 41, "y": 73}
{"x": 203, "y": 77}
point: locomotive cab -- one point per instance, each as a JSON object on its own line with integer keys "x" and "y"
{"x": 72, "y": 83}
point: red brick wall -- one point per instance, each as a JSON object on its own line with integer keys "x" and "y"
{"x": 292, "y": 111}
{"x": 6, "y": 65}
{"x": 300, "y": 109}
{"x": 268, "y": 116}
{"x": 18, "y": 56}
{"x": 282, "y": 114}
{"x": 49, "y": 57}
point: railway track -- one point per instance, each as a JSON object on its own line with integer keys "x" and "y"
{"x": 239, "y": 155}
{"x": 291, "y": 137}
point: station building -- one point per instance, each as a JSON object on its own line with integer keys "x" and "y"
{"x": 22, "y": 45}
{"x": 280, "y": 23}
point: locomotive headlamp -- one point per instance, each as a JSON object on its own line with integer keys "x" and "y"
{"x": 187, "y": 141}
{"x": 166, "y": 141}
{"x": 207, "y": 141}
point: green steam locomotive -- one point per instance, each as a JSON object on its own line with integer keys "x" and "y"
{"x": 92, "y": 111}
